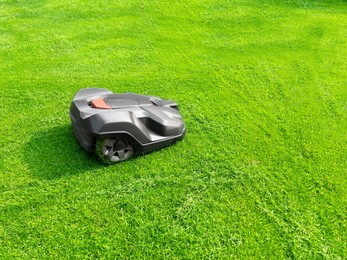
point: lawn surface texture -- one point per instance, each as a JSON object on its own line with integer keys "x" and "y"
{"x": 261, "y": 172}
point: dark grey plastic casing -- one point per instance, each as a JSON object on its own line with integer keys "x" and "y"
{"x": 147, "y": 122}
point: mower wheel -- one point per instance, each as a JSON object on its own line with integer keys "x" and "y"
{"x": 114, "y": 150}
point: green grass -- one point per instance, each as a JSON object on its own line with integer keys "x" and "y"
{"x": 261, "y": 173}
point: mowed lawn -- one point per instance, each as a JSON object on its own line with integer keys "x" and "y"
{"x": 262, "y": 171}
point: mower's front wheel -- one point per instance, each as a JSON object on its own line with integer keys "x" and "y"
{"x": 114, "y": 150}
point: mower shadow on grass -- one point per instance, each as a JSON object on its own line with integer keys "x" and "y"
{"x": 55, "y": 153}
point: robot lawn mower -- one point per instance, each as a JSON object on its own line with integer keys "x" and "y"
{"x": 116, "y": 126}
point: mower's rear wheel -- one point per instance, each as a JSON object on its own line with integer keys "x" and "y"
{"x": 114, "y": 150}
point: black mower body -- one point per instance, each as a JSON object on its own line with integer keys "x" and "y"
{"x": 146, "y": 122}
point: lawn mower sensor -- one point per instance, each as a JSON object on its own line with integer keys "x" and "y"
{"x": 116, "y": 126}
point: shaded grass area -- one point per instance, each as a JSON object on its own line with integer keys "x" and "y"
{"x": 261, "y": 172}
